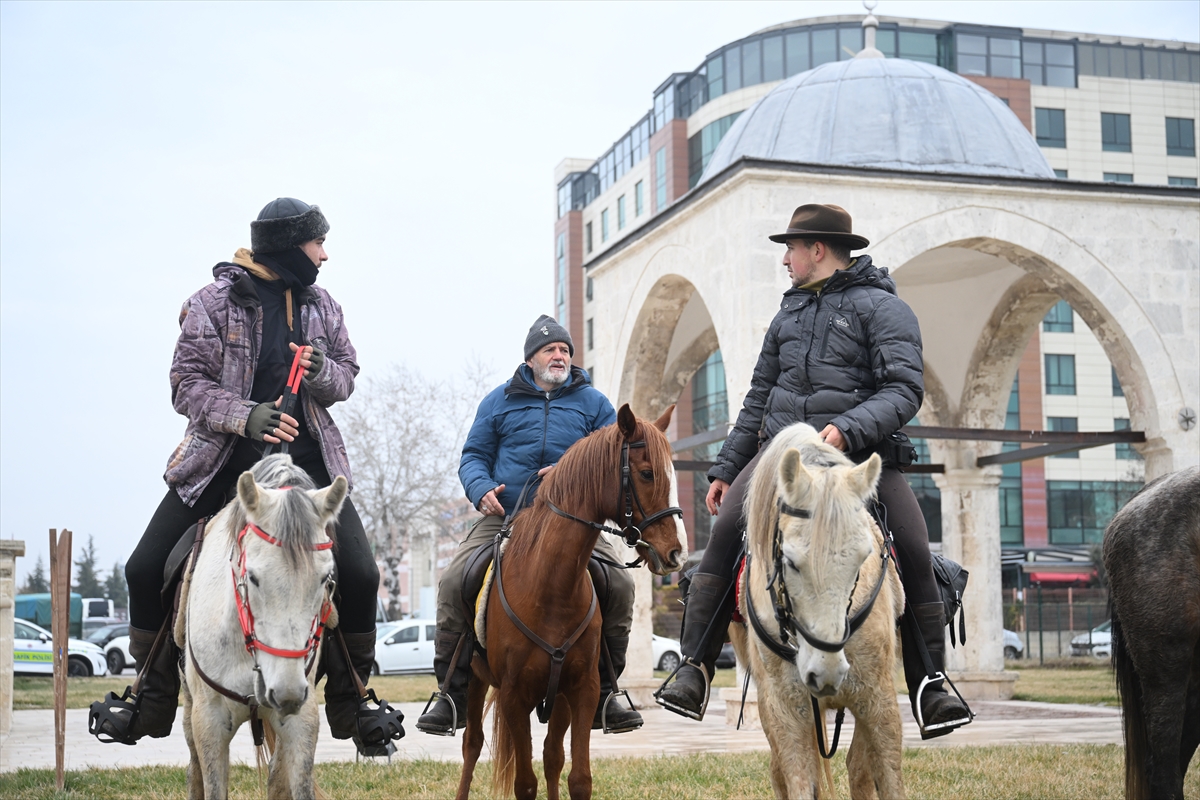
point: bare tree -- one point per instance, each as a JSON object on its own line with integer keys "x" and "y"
{"x": 404, "y": 436}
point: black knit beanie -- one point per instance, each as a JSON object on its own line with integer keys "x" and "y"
{"x": 543, "y": 332}
{"x": 285, "y": 223}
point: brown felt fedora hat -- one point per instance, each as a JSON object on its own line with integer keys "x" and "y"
{"x": 821, "y": 223}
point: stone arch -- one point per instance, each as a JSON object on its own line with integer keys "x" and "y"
{"x": 1054, "y": 266}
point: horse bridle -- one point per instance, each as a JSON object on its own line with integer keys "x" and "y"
{"x": 241, "y": 595}
{"x": 627, "y": 499}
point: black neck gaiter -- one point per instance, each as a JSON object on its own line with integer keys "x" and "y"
{"x": 294, "y": 266}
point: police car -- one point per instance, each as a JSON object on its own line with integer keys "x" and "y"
{"x": 33, "y": 653}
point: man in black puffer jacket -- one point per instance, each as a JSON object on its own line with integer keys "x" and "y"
{"x": 844, "y": 355}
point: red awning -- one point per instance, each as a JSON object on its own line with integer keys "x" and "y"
{"x": 1061, "y": 577}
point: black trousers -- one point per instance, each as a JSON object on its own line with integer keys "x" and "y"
{"x": 358, "y": 576}
{"x": 903, "y": 517}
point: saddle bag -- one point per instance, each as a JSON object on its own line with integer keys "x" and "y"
{"x": 952, "y": 583}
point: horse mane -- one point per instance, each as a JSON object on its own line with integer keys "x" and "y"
{"x": 585, "y": 477}
{"x": 294, "y": 515}
{"x": 831, "y": 510}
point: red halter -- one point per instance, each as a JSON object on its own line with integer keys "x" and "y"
{"x": 246, "y": 616}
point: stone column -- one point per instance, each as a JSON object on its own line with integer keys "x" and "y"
{"x": 10, "y": 549}
{"x": 639, "y": 678}
{"x": 971, "y": 536}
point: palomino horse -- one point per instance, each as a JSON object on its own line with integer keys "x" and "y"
{"x": 622, "y": 472}
{"x": 259, "y": 597}
{"x": 1152, "y": 557}
{"x": 823, "y": 601}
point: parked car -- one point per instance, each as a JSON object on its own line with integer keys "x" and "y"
{"x": 404, "y": 647}
{"x": 1013, "y": 646}
{"x": 1097, "y": 642}
{"x": 664, "y": 652}
{"x": 728, "y": 658}
{"x": 33, "y": 653}
{"x": 116, "y": 653}
{"x": 102, "y": 636}
{"x": 91, "y": 625}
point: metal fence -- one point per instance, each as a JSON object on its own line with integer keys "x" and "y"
{"x": 1046, "y": 621}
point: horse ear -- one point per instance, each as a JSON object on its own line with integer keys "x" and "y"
{"x": 248, "y": 491}
{"x": 862, "y": 479}
{"x": 793, "y": 477}
{"x": 662, "y": 422}
{"x": 329, "y": 500}
{"x": 626, "y": 421}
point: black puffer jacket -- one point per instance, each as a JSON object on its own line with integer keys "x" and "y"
{"x": 849, "y": 355}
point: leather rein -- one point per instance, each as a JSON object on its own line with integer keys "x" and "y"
{"x": 785, "y": 616}
{"x": 241, "y": 595}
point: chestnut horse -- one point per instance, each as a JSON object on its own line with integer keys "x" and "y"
{"x": 622, "y": 472}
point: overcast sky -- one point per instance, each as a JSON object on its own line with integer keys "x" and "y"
{"x": 138, "y": 140}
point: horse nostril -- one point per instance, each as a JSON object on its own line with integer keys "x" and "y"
{"x": 271, "y": 698}
{"x": 675, "y": 558}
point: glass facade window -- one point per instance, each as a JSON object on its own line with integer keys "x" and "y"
{"x": 1004, "y": 57}
{"x": 1079, "y": 511}
{"x": 621, "y": 213}
{"x": 1059, "y": 319}
{"x": 850, "y": 41}
{"x": 587, "y": 334}
{"x": 1063, "y": 425}
{"x": 715, "y": 74}
{"x": 638, "y": 201}
{"x": 772, "y": 56}
{"x": 587, "y": 236}
{"x": 710, "y": 410}
{"x": 1060, "y": 173}
{"x": 1174, "y": 181}
{"x": 1170, "y": 65}
{"x": 1117, "y": 391}
{"x": 1060, "y": 374}
{"x": 560, "y": 257}
{"x": 704, "y": 144}
{"x": 564, "y": 198}
{"x": 1049, "y": 63}
{"x": 918, "y": 46}
{"x": 752, "y": 63}
{"x": 1118, "y": 177}
{"x": 885, "y": 42}
{"x": 604, "y": 225}
{"x": 1125, "y": 451}
{"x": 797, "y": 56}
{"x": 664, "y": 107}
{"x": 929, "y": 497}
{"x": 587, "y": 291}
{"x": 660, "y": 179}
{"x": 1012, "y": 512}
{"x": 1181, "y": 137}
{"x": 733, "y": 69}
{"x": 1114, "y": 132}
{"x": 972, "y": 54}
{"x": 824, "y": 46}
{"x": 1051, "y": 127}
{"x": 1110, "y": 61}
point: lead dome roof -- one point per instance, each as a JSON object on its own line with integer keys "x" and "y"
{"x": 887, "y": 113}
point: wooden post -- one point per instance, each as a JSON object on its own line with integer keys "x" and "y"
{"x": 60, "y": 615}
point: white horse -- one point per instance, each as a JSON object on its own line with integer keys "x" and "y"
{"x": 259, "y": 595}
{"x": 817, "y": 560}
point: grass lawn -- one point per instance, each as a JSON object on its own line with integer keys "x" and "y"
{"x": 1061, "y": 772}
{"x": 1087, "y": 682}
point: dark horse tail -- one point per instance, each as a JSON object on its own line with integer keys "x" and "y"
{"x": 1137, "y": 740}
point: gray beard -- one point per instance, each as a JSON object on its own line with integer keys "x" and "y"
{"x": 548, "y": 377}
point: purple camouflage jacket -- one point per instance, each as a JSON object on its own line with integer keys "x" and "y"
{"x": 213, "y": 371}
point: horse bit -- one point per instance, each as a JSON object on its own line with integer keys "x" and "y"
{"x": 241, "y": 595}
{"x": 781, "y": 603}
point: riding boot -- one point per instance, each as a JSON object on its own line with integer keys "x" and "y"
{"x": 149, "y": 712}
{"x": 705, "y": 623}
{"x": 448, "y": 715}
{"x": 350, "y": 715}
{"x": 621, "y": 717}
{"x": 938, "y": 706}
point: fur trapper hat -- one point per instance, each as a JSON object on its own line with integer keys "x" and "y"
{"x": 285, "y": 223}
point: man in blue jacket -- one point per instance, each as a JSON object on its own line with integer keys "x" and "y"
{"x": 521, "y": 430}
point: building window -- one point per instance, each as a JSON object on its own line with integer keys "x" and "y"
{"x": 587, "y": 334}
{"x": 1125, "y": 451}
{"x": 773, "y": 58}
{"x": 621, "y": 213}
{"x": 1118, "y": 177}
{"x": 1064, "y": 425}
{"x": 1172, "y": 181}
{"x": 1114, "y": 132}
{"x": 1181, "y": 137}
{"x": 1051, "y": 126}
{"x": 1012, "y": 517}
{"x": 918, "y": 47}
{"x": 1049, "y": 64}
{"x": 1060, "y": 374}
{"x": 604, "y": 225}
{"x": 1116, "y": 384}
{"x": 989, "y": 55}
{"x": 561, "y": 262}
{"x": 660, "y": 179}
{"x": 704, "y": 144}
{"x": 710, "y": 410}
{"x": 1171, "y": 65}
{"x": 929, "y": 497}
{"x": 1079, "y": 511}
{"x": 587, "y": 234}
{"x": 1110, "y": 61}
{"x": 587, "y": 292}
{"x": 824, "y": 46}
{"x": 638, "y": 202}
{"x": 1059, "y": 319}
{"x": 1060, "y": 173}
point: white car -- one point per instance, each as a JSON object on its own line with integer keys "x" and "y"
{"x": 404, "y": 647}
{"x": 33, "y": 653}
{"x": 1013, "y": 646}
{"x": 1098, "y": 642}
{"x": 116, "y": 653}
{"x": 664, "y": 653}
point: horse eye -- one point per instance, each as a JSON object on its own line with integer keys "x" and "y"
{"x": 253, "y": 579}
{"x": 791, "y": 564}
{"x": 647, "y": 475}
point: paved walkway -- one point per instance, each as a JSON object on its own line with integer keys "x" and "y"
{"x": 30, "y": 744}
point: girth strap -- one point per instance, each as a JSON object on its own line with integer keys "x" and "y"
{"x": 256, "y": 726}
{"x": 557, "y": 654}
